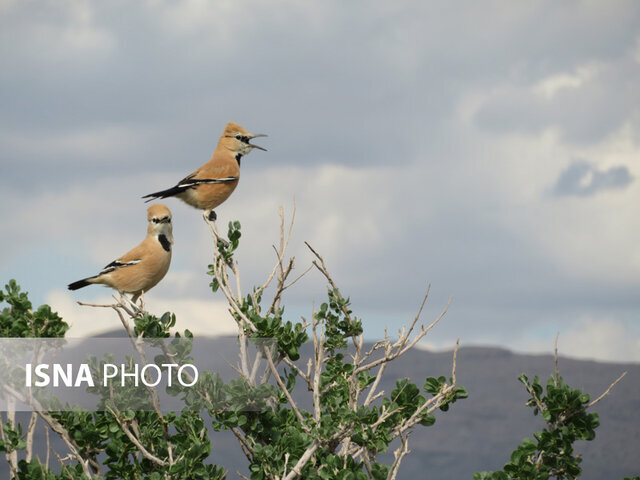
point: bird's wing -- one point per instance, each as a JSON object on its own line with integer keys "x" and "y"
{"x": 130, "y": 258}
{"x": 118, "y": 264}
{"x": 193, "y": 182}
{"x": 208, "y": 174}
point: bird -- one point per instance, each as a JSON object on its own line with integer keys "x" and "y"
{"x": 212, "y": 183}
{"x": 140, "y": 269}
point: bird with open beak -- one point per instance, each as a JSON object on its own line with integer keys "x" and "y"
{"x": 215, "y": 181}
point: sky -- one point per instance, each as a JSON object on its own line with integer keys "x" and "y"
{"x": 490, "y": 149}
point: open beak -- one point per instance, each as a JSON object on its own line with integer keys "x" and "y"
{"x": 251, "y": 137}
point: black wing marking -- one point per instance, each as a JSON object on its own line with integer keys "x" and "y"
{"x": 191, "y": 183}
{"x": 187, "y": 183}
{"x": 117, "y": 264}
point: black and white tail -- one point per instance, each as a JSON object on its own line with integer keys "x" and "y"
{"x": 80, "y": 283}
{"x": 186, "y": 184}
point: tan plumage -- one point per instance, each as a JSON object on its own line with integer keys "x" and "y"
{"x": 140, "y": 269}
{"x": 213, "y": 182}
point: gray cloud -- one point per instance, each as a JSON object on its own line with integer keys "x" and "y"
{"x": 367, "y": 86}
{"x": 584, "y": 179}
{"x": 584, "y": 114}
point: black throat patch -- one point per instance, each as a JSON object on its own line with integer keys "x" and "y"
{"x": 164, "y": 241}
{"x": 238, "y": 158}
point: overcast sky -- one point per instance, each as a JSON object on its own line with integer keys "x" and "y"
{"x": 490, "y": 148}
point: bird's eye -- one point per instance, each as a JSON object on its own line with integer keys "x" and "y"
{"x": 155, "y": 220}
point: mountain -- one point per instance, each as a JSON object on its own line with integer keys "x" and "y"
{"x": 480, "y": 432}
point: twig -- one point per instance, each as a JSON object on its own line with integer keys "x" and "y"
{"x": 145, "y": 453}
{"x": 404, "y": 347}
{"x": 318, "y": 360}
{"x": 153, "y": 394}
{"x": 30, "y": 432}
{"x": 244, "y": 445}
{"x": 301, "y": 374}
{"x": 64, "y": 434}
{"x": 284, "y": 389}
{"x": 398, "y": 455}
{"x": 370, "y": 396}
{"x": 48, "y": 440}
{"x": 12, "y": 455}
{"x": 606, "y": 391}
{"x": 99, "y": 305}
{"x": 12, "y": 467}
{"x": 555, "y": 360}
{"x": 296, "y": 471}
{"x": 455, "y": 357}
{"x": 297, "y": 278}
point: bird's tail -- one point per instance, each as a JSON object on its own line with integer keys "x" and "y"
{"x": 81, "y": 283}
{"x": 169, "y": 192}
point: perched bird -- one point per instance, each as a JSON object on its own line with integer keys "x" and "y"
{"x": 213, "y": 182}
{"x": 143, "y": 267}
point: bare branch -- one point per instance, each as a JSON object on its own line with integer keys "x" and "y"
{"x": 30, "y": 432}
{"x": 371, "y": 395}
{"x": 301, "y": 374}
{"x": 318, "y": 360}
{"x": 285, "y": 390}
{"x": 455, "y": 357}
{"x": 145, "y": 453}
{"x": 296, "y": 471}
{"x": 398, "y": 455}
{"x": 402, "y": 343}
{"x": 244, "y": 445}
{"x": 283, "y": 245}
{"x": 64, "y": 434}
{"x": 556, "y": 370}
{"x": 48, "y": 440}
{"x": 13, "y": 465}
{"x": 606, "y": 391}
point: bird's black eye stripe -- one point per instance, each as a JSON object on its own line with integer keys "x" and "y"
{"x": 155, "y": 220}
{"x": 243, "y": 138}
{"x": 165, "y": 219}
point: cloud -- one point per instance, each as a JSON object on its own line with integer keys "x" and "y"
{"x": 583, "y": 179}
{"x": 578, "y": 102}
{"x": 603, "y": 338}
{"x": 202, "y": 317}
{"x": 587, "y": 338}
{"x": 591, "y": 338}
{"x": 548, "y": 87}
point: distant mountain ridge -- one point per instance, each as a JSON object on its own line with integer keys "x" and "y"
{"x": 480, "y": 432}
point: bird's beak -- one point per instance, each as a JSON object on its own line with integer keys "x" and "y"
{"x": 256, "y": 135}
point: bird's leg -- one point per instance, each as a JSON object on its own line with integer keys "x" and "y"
{"x": 212, "y": 218}
{"x": 141, "y": 301}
